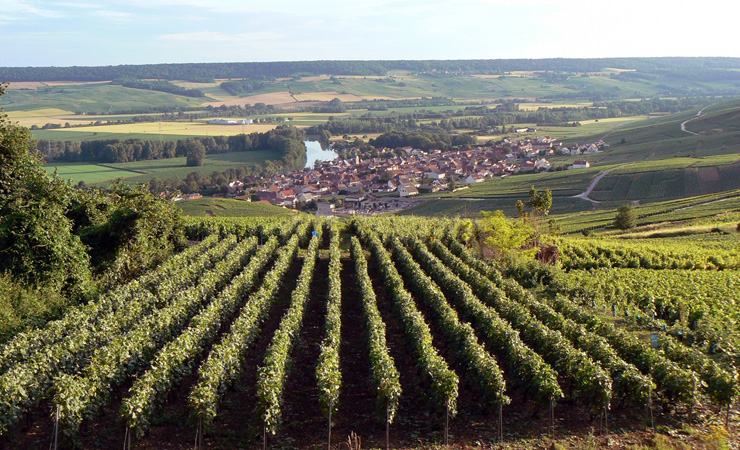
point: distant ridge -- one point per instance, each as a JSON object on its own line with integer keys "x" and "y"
{"x": 693, "y": 68}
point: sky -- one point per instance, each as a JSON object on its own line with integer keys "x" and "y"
{"x": 92, "y": 33}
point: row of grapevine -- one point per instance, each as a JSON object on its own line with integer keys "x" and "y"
{"x": 241, "y": 227}
{"x": 177, "y": 359}
{"x": 524, "y": 366}
{"x": 593, "y": 385}
{"x": 720, "y": 385}
{"x": 629, "y": 383}
{"x": 698, "y": 306}
{"x": 385, "y": 374}
{"x": 24, "y": 384}
{"x": 272, "y": 375}
{"x": 482, "y": 367}
{"x": 671, "y": 379}
{"x": 224, "y": 363}
{"x": 590, "y": 254}
{"x": 328, "y": 375}
{"x": 677, "y": 383}
{"x": 179, "y": 261}
{"x": 23, "y": 345}
{"x": 79, "y": 396}
{"x": 444, "y": 382}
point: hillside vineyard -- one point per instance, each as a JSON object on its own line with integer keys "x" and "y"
{"x": 298, "y": 331}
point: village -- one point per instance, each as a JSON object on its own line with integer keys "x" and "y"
{"x": 355, "y": 186}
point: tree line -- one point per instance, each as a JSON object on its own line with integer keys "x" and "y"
{"x": 285, "y": 140}
{"x": 208, "y": 72}
{"x": 484, "y": 118}
{"x": 158, "y": 85}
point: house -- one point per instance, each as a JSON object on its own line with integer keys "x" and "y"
{"x": 473, "y": 178}
{"x": 543, "y": 164}
{"x": 527, "y": 166}
{"x": 354, "y": 198}
{"x": 306, "y": 197}
{"x": 235, "y": 186}
{"x": 325, "y": 209}
{"x": 434, "y": 175}
{"x": 407, "y": 190}
{"x": 580, "y": 165}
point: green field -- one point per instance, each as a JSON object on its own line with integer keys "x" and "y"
{"x": 89, "y": 173}
{"x": 227, "y": 207}
{"x": 143, "y": 171}
{"x": 690, "y": 208}
{"x": 95, "y": 98}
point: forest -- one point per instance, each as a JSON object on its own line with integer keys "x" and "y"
{"x": 704, "y": 68}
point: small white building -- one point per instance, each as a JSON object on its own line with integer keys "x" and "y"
{"x": 407, "y": 190}
{"x": 325, "y": 209}
{"x": 580, "y": 165}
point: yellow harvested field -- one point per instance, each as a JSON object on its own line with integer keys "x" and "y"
{"x": 41, "y": 117}
{"x": 315, "y": 78}
{"x": 272, "y": 98}
{"x": 613, "y": 120}
{"x": 536, "y": 106}
{"x": 486, "y": 138}
{"x": 362, "y": 77}
{"x": 193, "y": 85}
{"x": 176, "y": 128}
{"x": 615, "y": 69}
{"x": 327, "y": 96}
{"x": 16, "y": 85}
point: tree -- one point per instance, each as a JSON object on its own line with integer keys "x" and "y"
{"x": 505, "y": 235}
{"x": 626, "y": 217}
{"x": 540, "y": 201}
{"x": 36, "y": 241}
{"x": 195, "y": 151}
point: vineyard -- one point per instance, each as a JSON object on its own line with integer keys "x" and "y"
{"x": 294, "y": 332}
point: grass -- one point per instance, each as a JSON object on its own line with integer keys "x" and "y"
{"x": 227, "y": 207}
{"x": 690, "y": 208}
{"x": 149, "y": 131}
{"x": 143, "y": 171}
{"x": 93, "y": 98}
{"x": 562, "y": 184}
{"x": 89, "y": 173}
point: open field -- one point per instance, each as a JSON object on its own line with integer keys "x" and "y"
{"x": 683, "y": 209}
{"x": 93, "y": 98}
{"x": 151, "y": 131}
{"x": 89, "y": 173}
{"x": 227, "y": 207}
{"x": 143, "y": 171}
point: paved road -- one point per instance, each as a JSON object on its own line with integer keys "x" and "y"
{"x": 585, "y": 194}
{"x": 699, "y": 114}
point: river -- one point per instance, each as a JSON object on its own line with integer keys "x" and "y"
{"x": 314, "y": 152}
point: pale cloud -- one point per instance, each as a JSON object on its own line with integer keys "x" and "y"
{"x": 27, "y": 9}
{"x": 206, "y": 37}
{"x": 114, "y": 15}
{"x": 79, "y": 5}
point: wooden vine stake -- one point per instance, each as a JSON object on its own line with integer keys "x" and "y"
{"x": 387, "y": 426}
{"x": 56, "y": 428}
{"x": 331, "y": 404}
{"x": 501, "y": 422}
{"x": 199, "y": 434}
{"x": 727, "y": 417}
{"x": 447, "y": 424}
{"x": 127, "y": 439}
{"x": 551, "y": 419}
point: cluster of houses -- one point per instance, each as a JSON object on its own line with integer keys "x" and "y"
{"x": 374, "y": 181}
